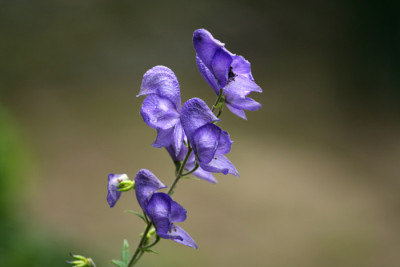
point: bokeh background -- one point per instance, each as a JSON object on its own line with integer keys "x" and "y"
{"x": 319, "y": 163}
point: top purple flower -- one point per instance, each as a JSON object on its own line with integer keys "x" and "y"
{"x": 162, "y": 106}
{"x": 227, "y": 71}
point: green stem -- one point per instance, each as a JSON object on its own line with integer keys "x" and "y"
{"x": 221, "y": 91}
{"x": 140, "y": 246}
{"x": 179, "y": 174}
{"x": 192, "y": 171}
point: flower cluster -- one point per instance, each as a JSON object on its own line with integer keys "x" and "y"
{"x": 188, "y": 132}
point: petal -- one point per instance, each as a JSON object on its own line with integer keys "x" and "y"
{"x": 178, "y": 213}
{"x": 240, "y": 66}
{"x": 241, "y": 86}
{"x": 112, "y": 187}
{"x": 246, "y": 103}
{"x": 208, "y": 76}
{"x": 205, "y": 46}
{"x": 179, "y": 235}
{"x": 221, "y": 64}
{"x": 238, "y": 112}
{"x": 179, "y": 135}
{"x": 220, "y": 163}
{"x": 204, "y": 175}
{"x": 205, "y": 142}
{"x": 164, "y": 138}
{"x": 174, "y": 156}
{"x": 195, "y": 113}
{"x": 159, "y": 112}
{"x": 146, "y": 183}
{"x": 159, "y": 209}
{"x": 161, "y": 81}
{"x": 200, "y": 173}
{"x": 225, "y": 143}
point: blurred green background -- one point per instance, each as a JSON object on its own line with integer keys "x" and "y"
{"x": 319, "y": 163}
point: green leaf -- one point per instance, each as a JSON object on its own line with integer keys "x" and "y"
{"x": 150, "y": 250}
{"x": 191, "y": 178}
{"x": 118, "y": 263}
{"x": 125, "y": 255}
{"x": 137, "y": 214}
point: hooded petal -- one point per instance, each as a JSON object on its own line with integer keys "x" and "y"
{"x": 179, "y": 235}
{"x": 112, "y": 187}
{"x": 146, "y": 184}
{"x": 208, "y": 76}
{"x": 159, "y": 112}
{"x": 161, "y": 81}
{"x": 220, "y": 163}
{"x": 205, "y": 46}
{"x": 213, "y": 54}
{"x": 195, "y": 113}
{"x": 205, "y": 142}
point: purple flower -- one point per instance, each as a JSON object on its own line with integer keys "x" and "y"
{"x": 161, "y": 108}
{"x": 161, "y": 209}
{"x": 209, "y": 142}
{"x": 113, "y": 193}
{"x": 225, "y": 70}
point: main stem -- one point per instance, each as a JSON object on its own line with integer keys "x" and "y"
{"x": 139, "y": 252}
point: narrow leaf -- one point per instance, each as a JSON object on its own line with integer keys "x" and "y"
{"x": 137, "y": 214}
{"x": 118, "y": 263}
{"x": 191, "y": 178}
{"x": 150, "y": 250}
{"x": 125, "y": 255}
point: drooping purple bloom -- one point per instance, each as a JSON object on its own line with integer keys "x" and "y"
{"x": 112, "y": 187}
{"x": 227, "y": 71}
{"x": 161, "y": 108}
{"x": 161, "y": 209}
{"x": 209, "y": 142}
{"x": 164, "y": 212}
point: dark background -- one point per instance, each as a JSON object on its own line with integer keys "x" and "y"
{"x": 319, "y": 167}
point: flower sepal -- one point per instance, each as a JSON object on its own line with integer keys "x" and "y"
{"x": 81, "y": 261}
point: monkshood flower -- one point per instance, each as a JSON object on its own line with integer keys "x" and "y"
{"x": 116, "y": 184}
{"x": 227, "y": 71}
{"x": 209, "y": 142}
{"x": 161, "y": 110}
{"x": 161, "y": 209}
